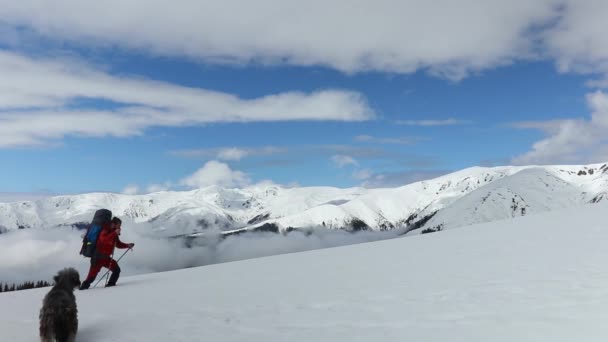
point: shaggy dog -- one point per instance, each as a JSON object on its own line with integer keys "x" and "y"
{"x": 59, "y": 315}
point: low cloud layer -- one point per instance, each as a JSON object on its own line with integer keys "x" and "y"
{"x": 37, "y": 254}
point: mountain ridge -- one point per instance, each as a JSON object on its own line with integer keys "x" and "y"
{"x": 469, "y": 196}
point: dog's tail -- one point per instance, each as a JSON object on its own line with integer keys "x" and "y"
{"x": 47, "y": 324}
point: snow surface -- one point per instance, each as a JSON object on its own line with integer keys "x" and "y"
{"x": 466, "y": 197}
{"x": 540, "y": 277}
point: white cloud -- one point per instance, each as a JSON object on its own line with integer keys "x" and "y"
{"x": 570, "y": 141}
{"x": 428, "y": 123}
{"x": 449, "y": 38}
{"x": 364, "y": 138}
{"x": 231, "y": 154}
{"x": 134, "y": 189}
{"x": 343, "y": 160}
{"x": 400, "y": 178}
{"x": 292, "y": 185}
{"x": 362, "y": 174}
{"x": 398, "y": 141}
{"x": 352, "y": 151}
{"x": 36, "y": 94}
{"x": 131, "y": 189}
{"x": 216, "y": 173}
{"x": 578, "y": 41}
{"x": 339, "y": 154}
{"x": 7, "y": 197}
{"x": 598, "y": 102}
{"x": 158, "y": 187}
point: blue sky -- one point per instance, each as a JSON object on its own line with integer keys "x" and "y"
{"x": 90, "y": 107}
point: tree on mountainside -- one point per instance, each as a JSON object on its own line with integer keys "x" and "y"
{"x": 24, "y": 286}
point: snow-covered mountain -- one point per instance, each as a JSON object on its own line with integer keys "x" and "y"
{"x": 470, "y": 196}
{"x": 481, "y": 283}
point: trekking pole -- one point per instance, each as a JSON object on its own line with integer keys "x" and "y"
{"x": 108, "y": 271}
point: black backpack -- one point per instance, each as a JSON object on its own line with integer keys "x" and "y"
{"x": 89, "y": 242}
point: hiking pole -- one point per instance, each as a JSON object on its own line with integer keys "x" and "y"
{"x": 108, "y": 271}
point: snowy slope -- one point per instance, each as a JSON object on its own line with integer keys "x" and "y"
{"x": 536, "y": 278}
{"x": 465, "y": 197}
{"x": 529, "y": 191}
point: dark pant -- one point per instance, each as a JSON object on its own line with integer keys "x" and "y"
{"x": 96, "y": 264}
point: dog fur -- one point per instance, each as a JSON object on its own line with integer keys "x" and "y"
{"x": 59, "y": 313}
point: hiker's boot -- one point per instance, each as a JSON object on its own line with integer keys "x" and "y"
{"x": 114, "y": 277}
{"x": 85, "y": 285}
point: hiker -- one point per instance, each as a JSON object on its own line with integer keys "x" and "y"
{"x": 104, "y": 250}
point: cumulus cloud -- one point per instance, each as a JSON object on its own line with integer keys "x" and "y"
{"x": 343, "y": 160}
{"x": 37, "y": 94}
{"x": 570, "y": 141}
{"x": 578, "y": 41}
{"x": 216, "y": 173}
{"x": 211, "y": 173}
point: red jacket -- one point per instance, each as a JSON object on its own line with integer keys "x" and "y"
{"x": 108, "y": 239}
